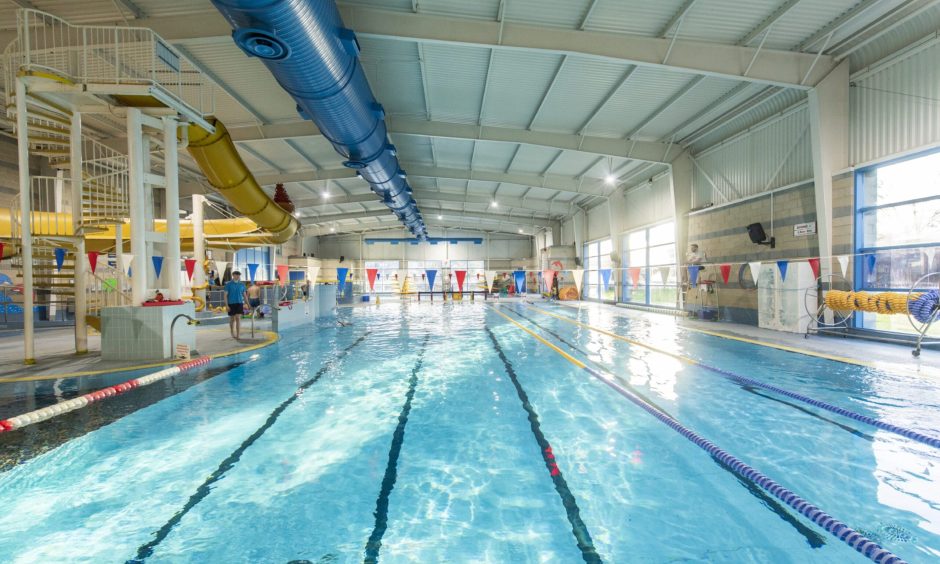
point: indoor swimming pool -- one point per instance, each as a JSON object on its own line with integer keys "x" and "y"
{"x": 472, "y": 432}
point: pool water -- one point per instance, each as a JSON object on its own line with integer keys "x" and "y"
{"x": 445, "y": 433}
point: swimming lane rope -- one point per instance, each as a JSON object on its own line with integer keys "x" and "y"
{"x": 838, "y": 529}
{"x": 73, "y": 404}
{"x": 884, "y": 426}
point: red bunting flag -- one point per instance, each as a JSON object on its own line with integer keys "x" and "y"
{"x": 461, "y": 276}
{"x": 725, "y": 272}
{"x": 635, "y": 275}
{"x": 814, "y": 264}
{"x": 282, "y": 270}
{"x": 190, "y": 267}
{"x": 371, "y": 273}
{"x": 93, "y": 260}
{"x": 1, "y": 251}
{"x": 549, "y": 277}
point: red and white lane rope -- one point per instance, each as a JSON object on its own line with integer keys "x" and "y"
{"x": 73, "y": 404}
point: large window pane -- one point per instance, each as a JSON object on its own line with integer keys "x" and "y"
{"x": 902, "y": 225}
{"x": 657, "y": 284}
{"x": 900, "y": 182}
{"x": 663, "y": 254}
{"x": 662, "y": 234}
{"x": 637, "y": 240}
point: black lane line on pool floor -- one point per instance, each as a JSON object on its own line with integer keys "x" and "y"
{"x": 374, "y": 544}
{"x": 580, "y": 530}
{"x": 813, "y": 539}
{"x": 146, "y": 550}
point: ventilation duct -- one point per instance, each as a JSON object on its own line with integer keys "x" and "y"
{"x": 316, "y": 60}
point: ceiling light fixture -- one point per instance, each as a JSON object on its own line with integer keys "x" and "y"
{"x": 494, "y": 204}
{"x": 610, "y": 180}
{"x": 440, "y": 217}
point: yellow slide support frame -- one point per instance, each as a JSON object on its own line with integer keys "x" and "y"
{"x": 218, "y": 159}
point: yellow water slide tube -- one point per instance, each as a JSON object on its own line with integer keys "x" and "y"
{"x": 218, "y": 159}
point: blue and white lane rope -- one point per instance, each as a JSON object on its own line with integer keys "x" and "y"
{"x": 884, "y": 426}
{"x": 865, "y": 546}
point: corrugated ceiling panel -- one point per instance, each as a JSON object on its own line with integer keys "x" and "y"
{"x": 646, "y": 90}
{"x": 572, "y": 163}
{"x": 455, "y": 75}
{"x": 395, "y": 75}
{"x": 517, "y": 82}
{"x": 639, "y": 17}
{"x": 566, "y": 14}
{"x": 319, "y": 150}
{"x": 394, "y": 5}
{"x": 480, "y": 9}
{"x": 775, "y": 105}
{"x": 803, "y": 21}
{"x": 161, "y": 8}
{"x": 493, "y": 156}
{"x": 511, "y": 191}
{"x": 85, "y": 11}
{"x": 581, "y": 87}
{"x": 897, "y": 38}
{"x": 533, "y": 159}
{"x": 775, "y": 155}
{"x": 454, "y": 153}
{"x": 412, "y": 148}
{"x": 896, "y": 110}
{"x": 725, "y": 21}
{"x": 689, "y": 106}
{"x": 248, "y": 77}
{"x": 279, "y": 155}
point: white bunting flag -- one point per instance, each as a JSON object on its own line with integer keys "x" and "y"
{"x": 755, "y": 270}
{"x": 313, "y": 272}
{"x": 664, "y": 273}
{"x": 220, "y": 266}
{"x": 126, "y": 260}
{"x": 490, "y": 276}
{"x": 578, "y": 279}
{"x": 843, "y": 263}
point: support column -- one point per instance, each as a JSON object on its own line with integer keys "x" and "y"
{"x": 829, "y": 133}
{"x": 172, "y": 205}
{"x": 199, "y": 246}
{"x": 681, "y": 188}
{"x": 26, "y": 245}
{"x": 81, "y": 261}
{"x": 139, "y": 229}
{"x": 153, "y": 281}
{"x": 119, "y": 256}
{"x": 615, "y": 212}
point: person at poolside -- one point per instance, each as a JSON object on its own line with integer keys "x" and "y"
{"x": 235, "y": 297}
{"x": 254, "y": 297}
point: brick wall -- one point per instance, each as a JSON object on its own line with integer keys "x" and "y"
{"x": 721, "y": 234}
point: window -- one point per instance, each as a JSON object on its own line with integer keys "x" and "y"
{"x": 596, "y": 260}
{"x": 260, "y": 256}
{"x": 417, "y": 269}
{"x": 653, "y": 251}
{"x": 898, "y": 227}
{"x": 475, "y": 273}
{"x": 385, "y": 281}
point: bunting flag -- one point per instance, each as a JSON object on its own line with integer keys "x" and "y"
{"x": 220, "y": 266}
{"x": 252, "y": 270}
{"x": 59, "y": 258}
{"x": 93, "y": 260}
{"x": 371, "y": 274}
{"x": 378, "y": 276}
{"x": 461, "y": 276}
{"x": 755, "y": 270}
{"x": 157, "y": 264}
{"x": 693, "y": 275}
{"x": 549, "y": 277}
{"x": 814, "y": 264}
{"x": 127, "y": 260}
{"x": 843, "y": 263}
{"x": 578, "y": 275}
{"x": 519, "y": 279}
{"x": 490, "y": 277}
{"x": 283, "y": 274}
{"x": 190, "y": 264}
{"x": 341, "y": 277}
{"x": 313, "y": 272}
{"x": 783, "y": 265}
{"x": 871, "y": 259}
{"x": 431, "y": 274}
{"x": 1, "y": 251}
{"x": 605, "y": 276}
{"x": 725, "y": 272}
{"x": 634, "y": 275}
{"x": 664, "y": 274}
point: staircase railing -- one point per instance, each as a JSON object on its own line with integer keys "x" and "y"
{"x": 105, "y": 55}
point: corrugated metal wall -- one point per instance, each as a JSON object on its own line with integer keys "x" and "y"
{"x": 897, "y": 108}
{"x": 771, "y": 155}
{"x": 649, "y": 203}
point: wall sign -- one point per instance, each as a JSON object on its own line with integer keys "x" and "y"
{"x": 804, "y": 229}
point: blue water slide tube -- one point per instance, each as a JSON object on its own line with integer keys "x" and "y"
{"x": 315, "y": 58}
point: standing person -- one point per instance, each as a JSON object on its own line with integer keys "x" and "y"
{"x": 235, "y": 297}
{"x": 254, "y": 297}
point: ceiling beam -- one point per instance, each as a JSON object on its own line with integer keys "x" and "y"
{"x": 838, "y": 24}
{"x": 666, "y": 105}
{"x": 391, "y": 226}
{"x": 649, "y": 151}
{"x": 780, "y": 68}
{"x": 132, "y": 8}
{"x": 446, "y": 213}
{"x": 529, "y": 204}
{"x": 677, "y": 17}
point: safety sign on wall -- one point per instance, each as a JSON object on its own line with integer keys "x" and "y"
{"x": 804, "y": 229}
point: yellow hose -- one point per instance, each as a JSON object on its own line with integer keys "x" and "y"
{"x": 218, "y": 159}
{"x": 200, "y": 303}
{"x": 886, "y": 303}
